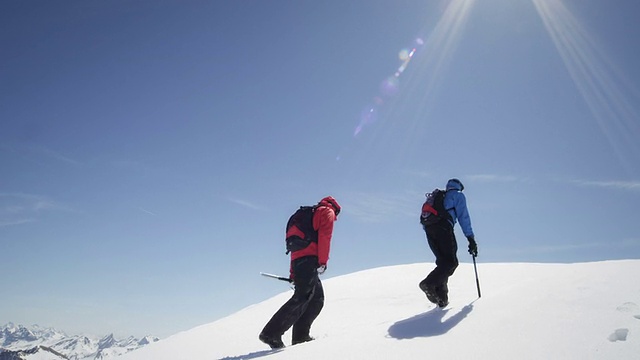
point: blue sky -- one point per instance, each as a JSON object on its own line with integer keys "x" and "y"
{"x": 152, "y": 151}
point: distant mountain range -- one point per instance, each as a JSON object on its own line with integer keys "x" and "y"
{"x": 18, "y": 342}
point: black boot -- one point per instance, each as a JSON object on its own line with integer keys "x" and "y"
{"x": 442, "y": 293}
{"x": 273, "y": 342}
{"x": 430, "y": 292}
{"x": 302, "y": 340}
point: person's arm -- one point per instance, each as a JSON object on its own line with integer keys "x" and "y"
{"x": 462, "y": 212}
{"x": 323, "y": 222}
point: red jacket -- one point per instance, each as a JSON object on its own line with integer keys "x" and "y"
{"x": 323, "y": 219}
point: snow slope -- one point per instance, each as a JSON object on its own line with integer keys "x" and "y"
{"x": 527, "y": 311}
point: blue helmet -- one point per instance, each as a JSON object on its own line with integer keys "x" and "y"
{"x": 454, "y": 184}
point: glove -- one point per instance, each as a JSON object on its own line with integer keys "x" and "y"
{"x": 473, "y": 247}
{"x": 322, "y": 269}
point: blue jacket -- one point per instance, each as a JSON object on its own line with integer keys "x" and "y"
{"x": 456, "y": 203}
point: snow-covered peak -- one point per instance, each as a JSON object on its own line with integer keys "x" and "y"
{"x": 47, "y": 332}
{"x": 39, "y": 343}
{"x": 107, "y": 342}
{"x": 12, "y": 334}
{"x": 147, "y": 340}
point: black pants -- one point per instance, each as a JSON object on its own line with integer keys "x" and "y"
{"x": 442, "y": 242}
{"x": 304, "y": 306}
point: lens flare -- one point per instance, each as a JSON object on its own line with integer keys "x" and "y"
{"x": 390, "y": 85}
{"x": 436, "y": 48}
{"x": 368, "y": 116}
{"x": 388, "y": 88}
{"x": 403, "y": 55}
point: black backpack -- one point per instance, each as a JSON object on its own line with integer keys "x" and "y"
{"x": 433, "y": 211}
{"x": 303, "y": 220}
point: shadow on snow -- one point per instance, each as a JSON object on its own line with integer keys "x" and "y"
{"x": 253, "y": 355}
{"x": 428, "y": 324}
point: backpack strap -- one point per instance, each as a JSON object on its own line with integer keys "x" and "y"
{"x": 453, "y": 208}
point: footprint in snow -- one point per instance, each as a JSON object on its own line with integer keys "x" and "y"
{"x": 619, "y": 335}
{"x": 628, "y": 307}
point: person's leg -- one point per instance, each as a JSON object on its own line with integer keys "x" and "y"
{"x": 444, "y": 247}
{"x": 292, "y": 310}
{"x": 448, "y": 264}
{"x": 428, "y": 284}
{"x": 301, "y": 327}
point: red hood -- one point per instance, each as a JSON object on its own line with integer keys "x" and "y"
{"x": 331, "y": 202}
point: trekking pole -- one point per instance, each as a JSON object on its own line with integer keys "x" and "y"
{"x": 476, "y": 271}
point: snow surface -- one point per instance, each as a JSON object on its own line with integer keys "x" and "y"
{"x": 527, "y": 311}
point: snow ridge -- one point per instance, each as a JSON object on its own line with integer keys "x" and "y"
{"x": 527, "y": 311}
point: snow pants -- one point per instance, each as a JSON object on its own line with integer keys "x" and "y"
{"x": 304, "y": 306}
{"x": 442, "y": 242}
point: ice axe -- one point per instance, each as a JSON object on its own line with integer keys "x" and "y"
{"x": 282, "y": 278}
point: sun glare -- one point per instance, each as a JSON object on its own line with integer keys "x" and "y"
{"x": 602, "y": 88}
